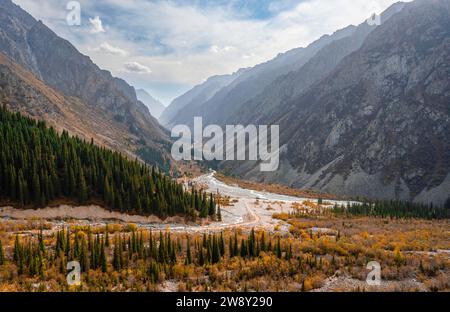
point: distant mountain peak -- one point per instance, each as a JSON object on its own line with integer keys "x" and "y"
{"x": 155, "y": 107}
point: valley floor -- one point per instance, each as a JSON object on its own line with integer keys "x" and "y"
{"x": 311, "y": 249}
{"x": 248, "y": 209}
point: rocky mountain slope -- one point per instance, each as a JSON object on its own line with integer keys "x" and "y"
{"x": 245, "y": 84}
{"x": 258, "y": 92}
{"x": 21, "y": 91}
{"x": 265, "y": 107}
{"x": 379, "y": 124}
{"x": 65, "y": 70}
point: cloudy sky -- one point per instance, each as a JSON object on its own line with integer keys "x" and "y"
{"x": 168, "y": 46}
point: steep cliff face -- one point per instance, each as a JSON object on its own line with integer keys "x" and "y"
{"x": 15, "y": 24}
{"x": 379, "y": 124}
{"x": 64, "y": 69}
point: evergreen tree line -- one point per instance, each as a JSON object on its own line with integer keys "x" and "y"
{"x": 30, "y": 256}
{"x": 254, "y": 245}
{"x": 39, "y": 166}
{"x": 394, "y": 209}
{"x": 160, "y": 251}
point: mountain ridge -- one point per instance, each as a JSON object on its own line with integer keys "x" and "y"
{"x": 249, "y": 81}
{"x": 66, "y": 70}
{"x": 344, "y": 115}
{"x": 22, "y": 91}
{"x": 377, "y": 125}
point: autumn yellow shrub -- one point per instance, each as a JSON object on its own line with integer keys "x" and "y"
{"x": 281, "y": 216}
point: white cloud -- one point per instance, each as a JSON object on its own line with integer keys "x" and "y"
{"x": 205, "y": 40}
{"x": 216, "y": 49}
{"x": 109, "y": 49}
{"x": 97, "y": 25}
{"x": 228, "y": 48}
{"x": 191, "y": 34}
{"x": 135, "y": 67}
{"x": 248, "y": 56}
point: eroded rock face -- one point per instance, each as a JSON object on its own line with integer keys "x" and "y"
{"x": 15, "y": 24}
{"x": 384, "y": 112}
{"x": 377, "y": 123}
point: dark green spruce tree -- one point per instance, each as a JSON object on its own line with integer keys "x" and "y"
{"x": 39, "y": 166}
